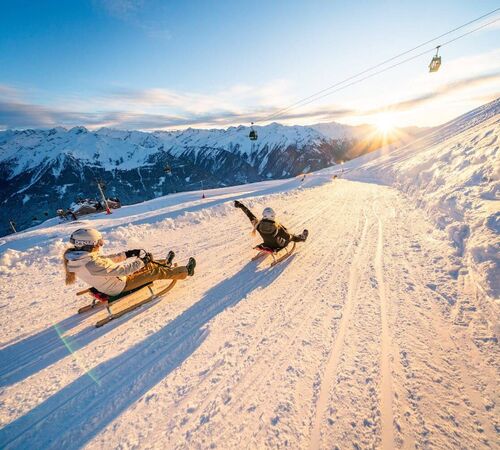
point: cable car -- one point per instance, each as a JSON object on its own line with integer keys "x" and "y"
{"x": 167, "y": 169}
{"x": 436, "y": 61}
{"x": 253, "y": 134}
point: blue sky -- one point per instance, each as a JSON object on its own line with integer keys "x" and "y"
{"x": 150, "y": 64}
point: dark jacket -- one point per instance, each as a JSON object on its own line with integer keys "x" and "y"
{"x": 274, "y": 235}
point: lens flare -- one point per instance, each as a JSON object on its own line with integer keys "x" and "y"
{"x": 73, "y": 351}
{"x": 385, "y": 123}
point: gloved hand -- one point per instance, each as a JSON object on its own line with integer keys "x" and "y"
{"x": 238, "y": 204}
{"x": 130, "y": 253}
{"x": 146, "y": 257}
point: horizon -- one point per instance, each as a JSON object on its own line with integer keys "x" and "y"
{"x": 174, "y": 130}
{"x": 148, "y": 66}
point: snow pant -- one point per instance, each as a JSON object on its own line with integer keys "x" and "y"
{"x": 153, "y": 272}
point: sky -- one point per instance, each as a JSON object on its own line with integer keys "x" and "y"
{"x": 150, "y": 64}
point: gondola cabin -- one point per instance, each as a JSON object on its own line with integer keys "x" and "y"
{"x": 435, "y": 64}
{"x": 253, "y": 133}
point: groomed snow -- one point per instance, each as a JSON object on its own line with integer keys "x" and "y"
{"x": 454, "y": 175}
{"x": 371, "y": 336}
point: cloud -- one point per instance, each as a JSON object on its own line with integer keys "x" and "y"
{"x": 146, "y": 16}
{"x": 160, "y": 108}
{"x": 236, "y": 98}
{"x": 186, "y": 110}
{"x": 121, "y": 9}
{"x": 446, "y": 89}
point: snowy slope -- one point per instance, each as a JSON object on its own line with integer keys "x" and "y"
{"x": 454, "y": 174}
{"x": 368, "y": 337}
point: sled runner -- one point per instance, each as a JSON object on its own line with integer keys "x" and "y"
{"x": 264, "y": 251}
{"x": 118, "y": 305}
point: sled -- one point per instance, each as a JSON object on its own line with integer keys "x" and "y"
{"x": 118, "y": 305}
{"x": 125, "y": 302}
{"x": 264, "y": 251}
{"x": 135, "y": 299}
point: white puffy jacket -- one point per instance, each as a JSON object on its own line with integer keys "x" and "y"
{"x": 107, "y": 273}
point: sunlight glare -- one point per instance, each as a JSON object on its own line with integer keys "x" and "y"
{"x": 385, "y": 123}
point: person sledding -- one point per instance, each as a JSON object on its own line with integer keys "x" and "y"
{"x": 275, "y": 236}
{"x": 119, "y": 273}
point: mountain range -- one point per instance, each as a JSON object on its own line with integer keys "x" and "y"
{"x": 43, "y": 170}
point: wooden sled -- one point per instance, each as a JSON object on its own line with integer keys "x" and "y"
{"x": 264, "y": 251}
{"x": 117, "y": 306}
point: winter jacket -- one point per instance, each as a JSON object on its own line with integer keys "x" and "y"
{"x": 102, "y": 271}
{"x": 274, "y": 235}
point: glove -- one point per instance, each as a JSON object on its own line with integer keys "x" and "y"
{"x": 147, "y": 258}
{"x": 238, "y": 204}
{"x": 130, "y": 253}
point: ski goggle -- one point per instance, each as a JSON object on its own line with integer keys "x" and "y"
{"x": 82, "y": 242}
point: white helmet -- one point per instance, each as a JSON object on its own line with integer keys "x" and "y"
{"x": 86, "y": 236}
{"x": 268, "y": 214}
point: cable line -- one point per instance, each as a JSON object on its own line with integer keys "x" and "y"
{"x": 397, "y": 64}
{"x": 314, "y": 97}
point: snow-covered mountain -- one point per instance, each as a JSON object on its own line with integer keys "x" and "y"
{"x": 42, "y": 170}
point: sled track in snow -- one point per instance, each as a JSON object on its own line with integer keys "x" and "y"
{"x": 243, "y": 384}
{"x": 386, "y": 345}
{"x": 80, "y": 397}
{"x": 350, "y": 343}
{"x": 275, "y": 361}
{"x": 328, "y": 379}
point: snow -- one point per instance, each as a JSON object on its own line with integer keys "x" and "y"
{"x": 335, "y": 130}
{"x": 379, "y": 332}
{"x": 454, "y": 175}
{"x": 61, "y": 190}
{"x": 106, "y": 147}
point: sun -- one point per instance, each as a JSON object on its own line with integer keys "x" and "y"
{"x": 385, "y": 123}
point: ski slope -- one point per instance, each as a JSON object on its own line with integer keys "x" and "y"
{"x": 366, "y": 337}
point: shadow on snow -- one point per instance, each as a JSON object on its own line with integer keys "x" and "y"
{"x": 78, "y": 412}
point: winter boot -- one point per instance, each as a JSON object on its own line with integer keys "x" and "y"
{"x": 303, "y": 235}
{"x": 190, "y": 266}
{"x": 170, "y": 258}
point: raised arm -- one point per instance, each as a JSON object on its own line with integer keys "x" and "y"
{"x": 250, "y": 214}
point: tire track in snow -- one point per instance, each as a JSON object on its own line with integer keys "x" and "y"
{"x": 328, "y": 378}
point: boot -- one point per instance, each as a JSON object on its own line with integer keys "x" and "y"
{"x": 190, "y": 266}
{"x": 170, "y": 258}
{"x": 303, "y": 235}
